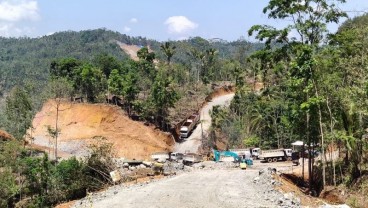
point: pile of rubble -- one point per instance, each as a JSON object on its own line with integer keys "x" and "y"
{"x": 167, "y": 168}
{"x": 267, "y": 181}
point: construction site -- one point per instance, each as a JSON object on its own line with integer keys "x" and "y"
{"x": 155, "y": 169}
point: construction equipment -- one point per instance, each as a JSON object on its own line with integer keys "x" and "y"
{"x": 160, "y": 156}
{"x": 189, "y": 125}
{"x": 254, "y": 152}
{"x": 242, "y": 160}
{"x": 275, "y": 155}
{"x": 190, "y": 158}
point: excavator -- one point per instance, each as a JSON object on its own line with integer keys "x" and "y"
{"x": 243, "y": 161}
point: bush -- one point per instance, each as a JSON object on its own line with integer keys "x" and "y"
{"x": 69, "y": 180}
{"x": 99, "y": 164}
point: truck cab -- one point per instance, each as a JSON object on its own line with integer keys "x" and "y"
{"x": 184, "y": 133}
{"x": 288, "y": 152}
{"x": 176, "y": 156}
{"x": 254, "y": 152}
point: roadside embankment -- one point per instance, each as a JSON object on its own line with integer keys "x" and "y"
{"x": 80, "y": 122}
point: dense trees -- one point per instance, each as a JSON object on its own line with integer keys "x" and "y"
{"x": 314, "y": 89}
{"x": 19, "y": 112}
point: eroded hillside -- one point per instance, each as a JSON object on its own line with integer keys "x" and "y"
{"x": 80, "y": 122}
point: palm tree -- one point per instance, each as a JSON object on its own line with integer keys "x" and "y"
{"x": 168, "y": 50}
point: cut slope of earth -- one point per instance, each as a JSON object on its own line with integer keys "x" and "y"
{"x": 131, "y": 50}
{"x": 79, "y": 122}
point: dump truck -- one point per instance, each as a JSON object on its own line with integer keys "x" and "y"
{"x": 276, "y": 155}
{"x": 254, "y": 152}
{"x": 190, "y": 158}
{"x": 189, "y": 125}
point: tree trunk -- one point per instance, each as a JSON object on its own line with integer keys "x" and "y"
{"x": 333, "y": 141}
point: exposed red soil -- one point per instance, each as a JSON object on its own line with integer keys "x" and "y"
{"x": 81, "y": 121}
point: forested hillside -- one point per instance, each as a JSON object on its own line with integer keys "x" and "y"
{"x": 167, "y": 82}
{"x": 315, "y": 90}
{"x": 85, "y": 59}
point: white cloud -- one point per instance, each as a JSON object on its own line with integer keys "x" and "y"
{"x": 11, "y": 30}
{"x": 127, "y": 29}
{"x": 180, "y": 25}
{"x": 14, "y": 11}
{"x": 133, "y": 20}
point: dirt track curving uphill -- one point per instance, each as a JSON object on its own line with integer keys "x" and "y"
{"x": 192, "y": 143}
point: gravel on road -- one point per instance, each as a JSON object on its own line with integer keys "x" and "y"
{"x": 205, "y": 185}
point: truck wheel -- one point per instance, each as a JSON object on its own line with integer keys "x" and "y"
{"x": 269, "y": 160}
{"x": 274, "y": 159}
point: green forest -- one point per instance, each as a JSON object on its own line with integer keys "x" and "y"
{"x": 315, "y": 89}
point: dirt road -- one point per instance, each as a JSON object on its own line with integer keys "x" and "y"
{"x": 193, "y": 142}
{"x": 200, "y": 188}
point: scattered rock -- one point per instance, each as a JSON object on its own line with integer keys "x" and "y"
{"x": 147, "y": 164}
{"x": 255, "y": 180}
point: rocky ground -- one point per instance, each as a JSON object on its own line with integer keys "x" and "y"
{"x": 206, "y": 184}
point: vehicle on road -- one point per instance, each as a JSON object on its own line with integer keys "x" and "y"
{"x": 190, "y": 158}
{"x": 219, "y": 156}
{"x": 176, "y": 156}
{"x": 160, "y": 156}
{"x": 189, "y": 125}
{"x": 254, "y": 152}
{"x": 276, "y": 155}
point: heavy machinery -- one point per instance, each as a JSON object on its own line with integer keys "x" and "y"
{"x": 190, "y": 158}
{"x": 189, "y": 125}
{"x": 276, "y": 154}
{"x": 242, "y": 160}
{"x": 254, "y": 152}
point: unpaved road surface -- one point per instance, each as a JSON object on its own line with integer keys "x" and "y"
{"x": 192, "y": 143}
{"x": 229, "y": 188}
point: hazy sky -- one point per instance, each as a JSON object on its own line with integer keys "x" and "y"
{"x": 155, "y": 19}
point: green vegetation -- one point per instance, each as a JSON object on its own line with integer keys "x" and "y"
{"x": 315, "y": 90}
{"x": 91, "y": 65}
{"x": 30, "y": 179}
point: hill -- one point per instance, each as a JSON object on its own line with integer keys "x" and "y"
{"x": 79, "y": 123}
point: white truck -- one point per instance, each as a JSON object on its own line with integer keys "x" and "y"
{"x": 189, "y": 125}
{"x": 175, "y": 156}
{"x": 275, "y": 155}
{"x": 253, "y": 152}
{"x": 190, "y": 158}
{"x": 160, "y": 156}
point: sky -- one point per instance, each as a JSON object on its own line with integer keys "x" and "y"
{"x": 155, "y": 19}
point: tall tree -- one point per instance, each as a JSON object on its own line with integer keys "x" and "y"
{"x": 59, "y": 89}
{"x": 19, "y": 112}
{"x": 163, "y": 96}
{"x": 309, "y": 20}
{"x": 168, "y": 50}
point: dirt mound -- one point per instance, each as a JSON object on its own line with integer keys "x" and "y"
{"x": 79, "y": 122}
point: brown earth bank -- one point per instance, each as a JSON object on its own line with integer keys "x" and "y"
{"x": 5, "y": 136}
{"x": 80, "y": 122}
